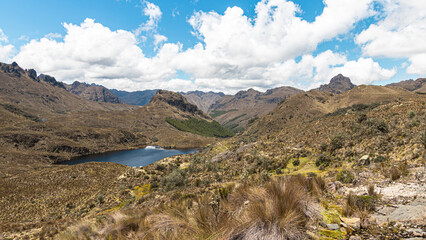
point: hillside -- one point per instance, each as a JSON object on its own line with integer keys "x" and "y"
{"x": 203, "y": 100}
{"x": 92, "y": 92}
{"x": 236, "y": 111}
{"x": 140, "y": 98}
{"x": 418, "y": 85}
{"x": 43, "y": 96}
{"x": 305, "y": 107}
{"x": 319, "y": 166}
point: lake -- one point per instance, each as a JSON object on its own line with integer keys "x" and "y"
{"x": 132, "y": 158}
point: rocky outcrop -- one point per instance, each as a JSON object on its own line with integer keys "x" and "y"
{"x": 92, "y": 92}
{"x": 12, "y": 69}
{"x": 51, "y": 80}
{"x": 176, "y": 100}
{"x": 338, "y": 84}
{"x": 203, "y": 100}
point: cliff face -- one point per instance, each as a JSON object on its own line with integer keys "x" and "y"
{"x": 93, "y": 92}
{"x": 338, "y": 84}
{"x": 237, "y": 110}
{"x": 176, "y": 100}
{"x": 203, "y": 100}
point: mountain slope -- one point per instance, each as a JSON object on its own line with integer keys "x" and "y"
{"x": 203, "y": 100}
{"x": 418, "y": 85}
{"x": 43, "y": 96}
{"x": 140, "y": 98}
{"x": 92, "y": 92}
{"x": 236, "y": 111}
{"x": 304, "y": 107}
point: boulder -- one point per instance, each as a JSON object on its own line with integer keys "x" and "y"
{"x": 364, "y": 160}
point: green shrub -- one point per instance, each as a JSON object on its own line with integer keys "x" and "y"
{"x": 382, "y": 126}
{"x": 379, "y": 158}
{"x": 323, "y": 160}
{"x": 345, "y": 176}
{"x": 323, "y": 147}
{"x": 177, "y": 178}
{"x": 336, "y": 142}
{"x": 296, "y": 162}
{"x": 411, "y": 114}
{"x": 423, "y": 138}
{"x": 201, "y": 127}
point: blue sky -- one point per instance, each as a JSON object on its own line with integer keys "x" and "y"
{"x": 221, "y": 45}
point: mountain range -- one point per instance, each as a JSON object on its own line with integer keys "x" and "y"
{"x": 302, "y": 163}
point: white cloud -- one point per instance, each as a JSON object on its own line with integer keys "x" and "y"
{"x": 158, "y": 39}
{"x": 418, "y": 64}
{"x": 234, "y": 52}
{"x": 400, "y": 34}
{"x": 153, "y": 12}
{"x": 6, "y": 50}
{"x": 53, "y": 35}
{"x": 93, "y": 53}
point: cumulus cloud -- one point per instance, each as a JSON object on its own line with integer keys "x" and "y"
{"x": 92, "y": 53}
{"x": 158, "y": 39}
{"x": 235, "y": 52}
{"x": 6, "y": 50}
{"x": 153, "y": 12}
{"x": 400, "y": 34}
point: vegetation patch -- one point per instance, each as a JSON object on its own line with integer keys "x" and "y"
{"x": 215, "y": 114}
{"x": 354, "y": 108}
{"x": 19, "y": 112}
{"x": 201, "y": 127}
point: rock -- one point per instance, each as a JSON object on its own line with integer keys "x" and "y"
{"x": 333, "y": 226}
{"x": 354, "y": 223}
{"x": 338, "y": 84}
{"x": 417, "y": 232}
{"x": 356, "y": 237}
{"x": 323, "y": 224}
{"x": 364, "y": 160}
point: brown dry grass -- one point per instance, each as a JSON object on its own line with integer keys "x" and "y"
{"x": 279, "y": 209}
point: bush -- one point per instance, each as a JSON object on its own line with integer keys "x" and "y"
{"x": 323, "y": 160}
{"x": 177, "y": 178}
{"x": 379, "y": 158}
{"x": 423, "y": 138}
{"x": 362, "y": 118}
{"x": 336, "y": 142}
{"x": 345, "y": 176}
{"x": 296, "y": 162}
{"x": 323, "y": 147}
{"x": 411, "y": 114}
{"x": 382, "y": 127}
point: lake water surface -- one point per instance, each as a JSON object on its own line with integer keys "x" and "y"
{"x": 132, "y": 158}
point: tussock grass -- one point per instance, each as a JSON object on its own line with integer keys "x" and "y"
{"x": 278, "y": 209}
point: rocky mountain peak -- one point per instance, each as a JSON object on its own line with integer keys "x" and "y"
{"x": 51, "y": 80}
{"x": 338, "y": 84}
{"x": 175, "y": 100}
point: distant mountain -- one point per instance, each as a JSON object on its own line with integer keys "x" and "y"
{"x": 418, "y": 86}
{"x": 203, "y": 100}
{"x": 92, "y": 92}
{"x": 338, "y": 84}
{"x": 140, "y": 98}
{"x": 235, "y": 111}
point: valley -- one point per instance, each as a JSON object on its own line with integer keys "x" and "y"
{"x": 333, "y": 156}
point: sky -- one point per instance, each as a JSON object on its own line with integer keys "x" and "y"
{"x": 220, "y": 45}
